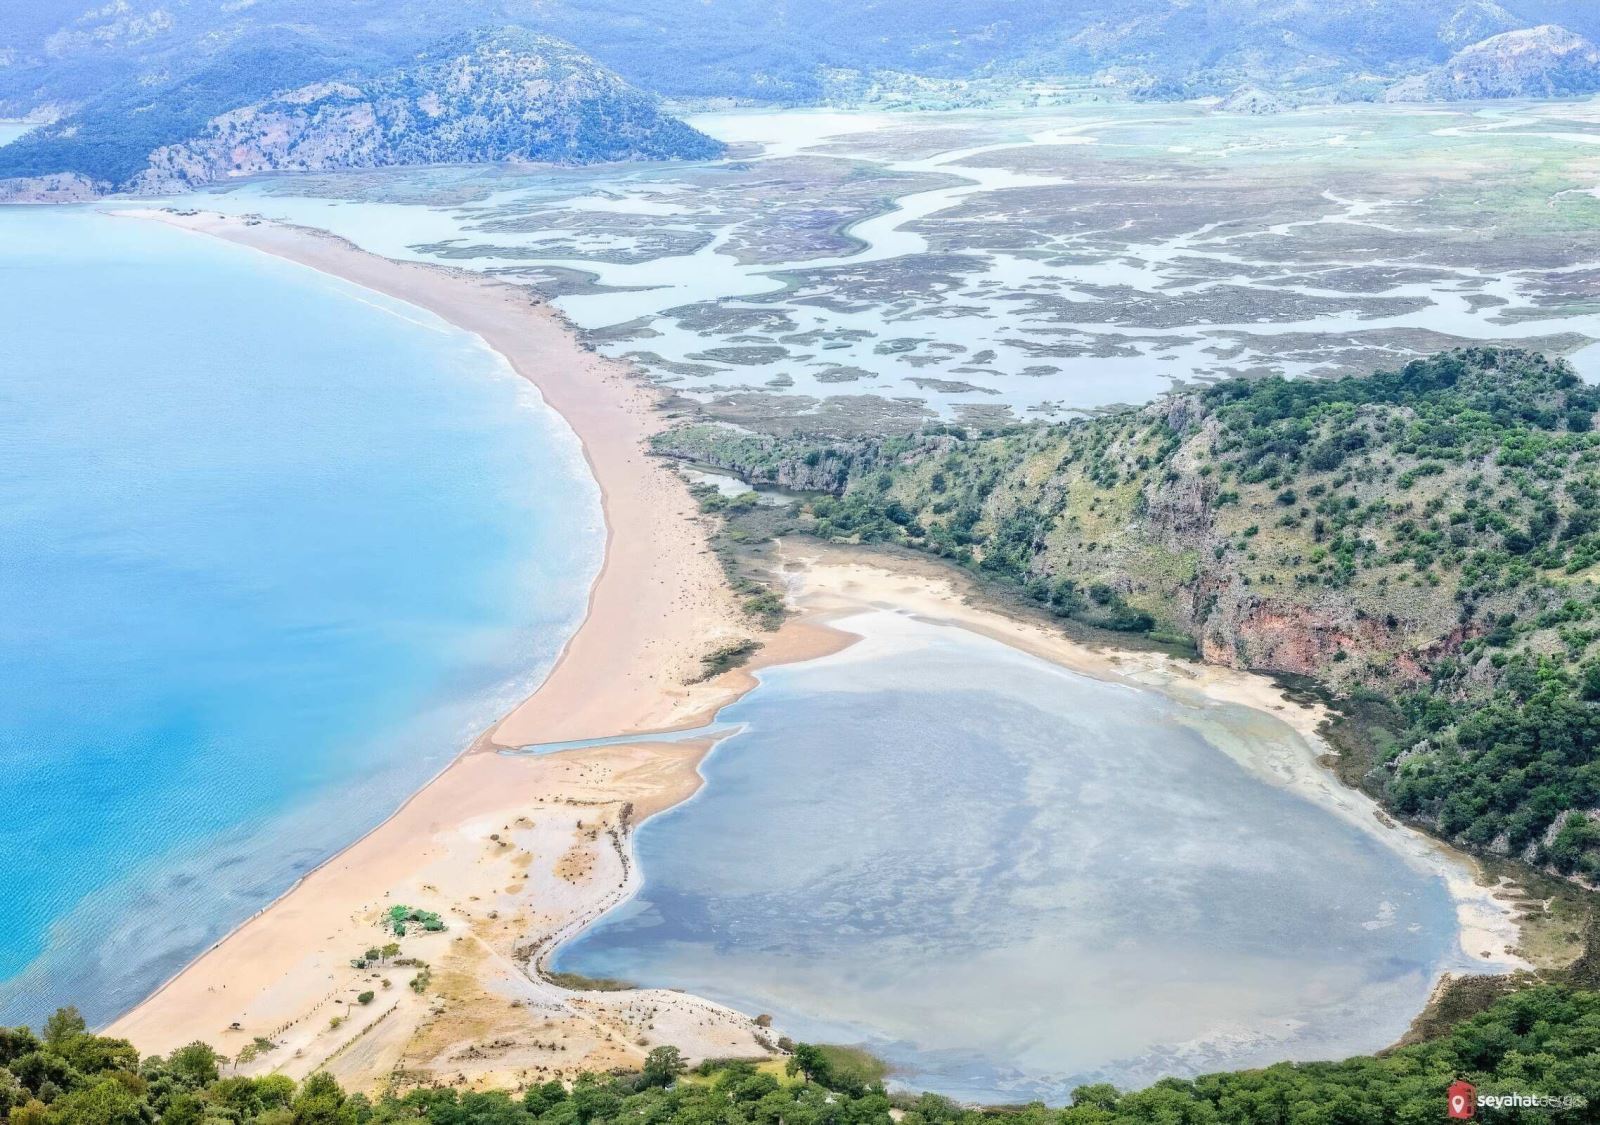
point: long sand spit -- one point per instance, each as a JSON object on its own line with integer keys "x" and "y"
{"x": 514, "y": 851}
{"x": 518, "y": 852}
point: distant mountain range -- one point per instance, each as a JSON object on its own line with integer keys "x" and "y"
{"x": 1541, "y": 62}
{"x": 125, "y": 79}
{"x": 478, "y": 97}
{"x": 502, "y": 94}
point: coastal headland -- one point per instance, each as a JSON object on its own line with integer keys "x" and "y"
{"x": 515, "y": 853}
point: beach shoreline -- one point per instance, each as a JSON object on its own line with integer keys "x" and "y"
{"x": 519, "y": 852}
{"x": 611, "y": 676}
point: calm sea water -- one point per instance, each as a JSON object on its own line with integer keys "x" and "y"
{"x": 272, "y": 549}
{"x": 1008, "y": 879}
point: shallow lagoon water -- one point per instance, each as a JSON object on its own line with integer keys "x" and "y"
{"x": 1008, "y": 879}
{"x": 274, "y": 549}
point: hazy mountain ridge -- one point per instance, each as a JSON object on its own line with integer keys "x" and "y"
{"x": 480, "y": 97}
{"x": 130, "y": 77}
{"x": 1358, "y": 50}
{"x": 1538, "y": 62}
{"x": 64, "y": 52}
{"x": 485, "y": 96}
{"x": 1476, "y": 21}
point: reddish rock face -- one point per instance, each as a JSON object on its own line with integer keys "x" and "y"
{"x": 1300, "y": 640}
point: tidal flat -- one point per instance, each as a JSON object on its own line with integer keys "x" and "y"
{"x": 1041, "y": 263}
{"x": 1008, "y": 879}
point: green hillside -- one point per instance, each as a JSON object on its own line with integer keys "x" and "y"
{"x": 1423, "y": 541}
{"x": 489, "y": 95}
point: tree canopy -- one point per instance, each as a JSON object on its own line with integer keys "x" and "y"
{"x": 1543, "y": 1040}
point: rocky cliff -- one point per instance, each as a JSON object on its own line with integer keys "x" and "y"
{"x": 502, "y": 95}
{"x": 1536, "y": 62}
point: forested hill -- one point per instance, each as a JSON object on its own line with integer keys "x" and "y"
{"x": 777, "y": 49}
{"x": 1540, "y": 1041}
{"x": 1427, "y": 539}
{"x": 115, "y": 82}
{"x": 482, "y": 96}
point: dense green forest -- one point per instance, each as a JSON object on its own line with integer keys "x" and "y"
{"x": 1425, "y": 542}
{"x": 1542, "y": 1041}
{"x": 113, "y": 135}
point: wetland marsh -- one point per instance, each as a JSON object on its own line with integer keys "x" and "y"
{"x": 871, "y": 271}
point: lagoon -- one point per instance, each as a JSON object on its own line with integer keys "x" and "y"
{"x": 275, "y": 549}
{"x": 1008, "y": 879}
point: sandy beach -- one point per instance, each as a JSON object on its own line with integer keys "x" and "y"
{"x": 513, "y": 851}
{"x": 516, "y": 852}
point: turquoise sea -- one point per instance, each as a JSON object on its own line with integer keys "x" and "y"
{"x": 272, "y": 549}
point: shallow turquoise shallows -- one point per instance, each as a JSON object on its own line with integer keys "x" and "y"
{"x": 272, "y": 549}
{"x": 1008, "y": 879}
